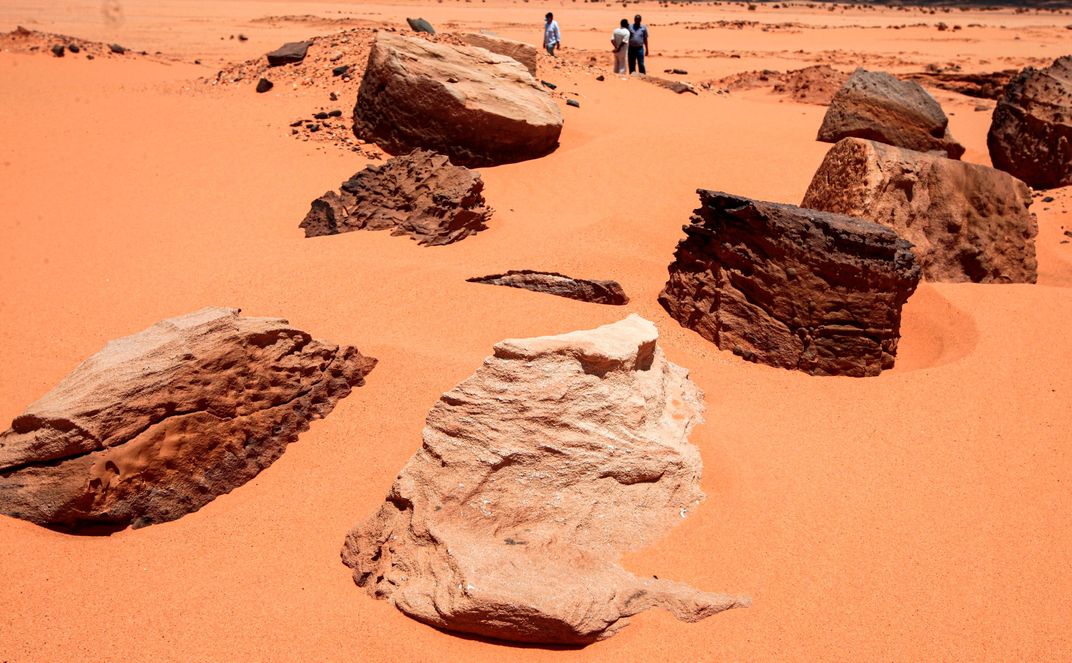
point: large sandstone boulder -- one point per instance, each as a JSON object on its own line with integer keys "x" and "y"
{"x": 522, "y": 52}
{"x": 420, "y": 194}
{"x": 158, "y": 424}
{"x": 791, "y": 287}
{"x": 966, "y": 222}
{"x": 536, "y": 472}
{"x": 1031, "y": 132}
{"x": 877, "y": 106}
{"x": 595, "y": 291}
{"x": 478, "y": 107}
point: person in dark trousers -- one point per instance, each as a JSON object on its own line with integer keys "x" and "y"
{"x": 638, "y": 45}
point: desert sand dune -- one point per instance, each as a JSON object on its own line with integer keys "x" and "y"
{"x": 921, "y": 514}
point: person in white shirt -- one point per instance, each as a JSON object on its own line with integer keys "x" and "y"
{"x": 619, "y": 39}
{"x": 552, "y": 39}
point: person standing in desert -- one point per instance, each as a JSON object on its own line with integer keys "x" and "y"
{"x": 552, "y": 38}
{"x": 638, "y": 45}
{"x": 619, "y": 40}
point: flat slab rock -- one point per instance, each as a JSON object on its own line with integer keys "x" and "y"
{"x": 420, "y": 194}
{"x": 877, "y": 106}
{"x": 158, "y": 424}
{"x": 791, "y": 287}
{"x": 1031, "y": 130}
{"x": 523, "y": 52}
{"x": 477, "y": 107}
{"x": 966, "y": 222}
{"x": 289, "y": 53}
{"x": 585, "y": 290}
{"x": 536, "y": 473}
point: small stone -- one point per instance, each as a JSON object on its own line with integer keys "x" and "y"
{"x": 420, "y": 25}
{"x": 336, "y": 56}
{"x": 263, "y": 85}
{"x": 1048, "y": 199}
{"x": 289, "y": 53}
{"x": 340, "y": 70}
{"x": 313, "y": 127}
{"x": 117, "y": 49}
{"x": 74, "y": 48}
{"x": 58, "y": 50}
{"x": 550, "y": 86}
{"x": 333, "y": 96}
{"x": 601, "y": 77}
{"x": 321, "y": 116}
{"x": 242, "y": 37}
{"x": 573, "y": 102}
{"x": 89, "y": 56}
{"x": 197, "y": 62}
{"x": 296, "y": 123}
{"x": 335, "y": 113}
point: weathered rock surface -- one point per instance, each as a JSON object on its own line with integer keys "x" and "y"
{"x": 420, "y": 194}
{"x": 289, "y": 53}
{"x": 877, "y": 106}
{"x": 536, "y": 472}
{"x": 966, "y": 222}
{"x": 586, "y": 290}
{"x": 791, "y": 287}
{"x": 522, "y": 52}
{"x": 1031, "y": 132}
{"x": 159, "y": 423}
{"x": 477, "y": 107}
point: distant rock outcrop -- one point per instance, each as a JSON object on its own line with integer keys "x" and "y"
{"x": 523, "y": 52}
{"x": 420, "y": 194}
{"x": 158, "y": 424}
{"x": 585, "y": 290}
{"x": 966, "y": 222}
{"x": 1031, "y": 132}
{"x": 791, "y": 287}
{"x": 477, "y": 107}
{"x": 289, "y": 53}
{"x": 536, "y": 473}
{"x": 876, "y": 106}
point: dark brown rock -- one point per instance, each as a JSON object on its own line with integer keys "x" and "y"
{"x": 966, "y": 222}
{"x": 791, "y": 287}
{"x": 585, "y": 290}
{"x": 263, "y": 85}
{"x": 420, "y": 194}
{"x": 1031, "y": 132}
{"x": 477, "y": 107}
{"x": 876, "y": 106}
{"x": 158, "y": 424}
{"x": 289, "y": 53}
{"x": 420, "y": 25}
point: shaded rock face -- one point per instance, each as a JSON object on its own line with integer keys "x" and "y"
{"x": 289, "y": 53}
{"x": 420, "y": 194}
{"x": 536, "y": 472}
{"x": 477, "y": 107}
{"x": 518, "y": 50}
{"x": 966, "y": 222}
{"x": 158, "y": 424}
{"x": 791, "y": 287}
{"x": 1031, "y": 132}
{"x": 877, "y": 106}
{"x": 586, "y": 290}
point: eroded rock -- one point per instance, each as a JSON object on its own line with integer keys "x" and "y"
{"x": 536, "y": 472}
{"x": 159, "y": 423}
{"x": 289, "y": 53}
{"x": 477, "y": 107}
{"x": 420, "y": 194}
{"x": 522, "y": 52}
{"x": 791, "y": 287}
{"x": 876, "y": 106}
{"x": 586, "y": 290}
{"x": 966, "y": 222}
{"x": 1031, "y": 131}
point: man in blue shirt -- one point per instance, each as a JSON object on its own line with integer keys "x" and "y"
{"x": 638, "y": 45}
{"x": 551, "y": 37}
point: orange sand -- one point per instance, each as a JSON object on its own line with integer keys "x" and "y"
{"x": 920, "y": 515}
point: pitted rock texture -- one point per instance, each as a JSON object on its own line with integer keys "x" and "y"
{"x": 791, "y": 287}
{"x": 1031, "y": 131}
{"x": 536, "y": 472}
{"x": 585, "y": 290}
{"x": 523, "y": 52}
{"x": 420, "y": 194}
{"x": 159, "y": 423}
{"x": 876, "y": 106}
{"x": 477, "y": 107}
{"x": 966, "y": 222}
